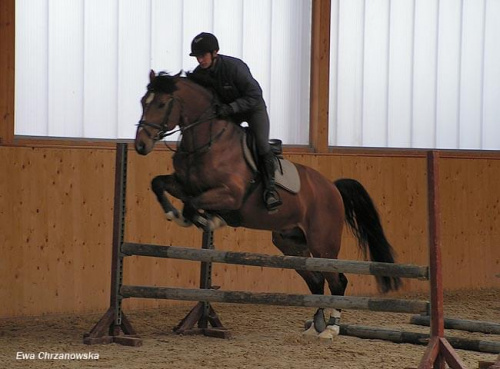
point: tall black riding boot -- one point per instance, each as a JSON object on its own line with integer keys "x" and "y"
{"x": 271, "y": 197}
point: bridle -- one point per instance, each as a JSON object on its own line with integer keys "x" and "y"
{"x": 162, "y": 128}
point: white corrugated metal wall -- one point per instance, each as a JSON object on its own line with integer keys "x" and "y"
{"x": 404, "y": 73}
{"x": 82, "y": 65}
{"x": 415, "y": 74}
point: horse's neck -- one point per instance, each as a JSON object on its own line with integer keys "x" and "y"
{"x": 196, "y": 98}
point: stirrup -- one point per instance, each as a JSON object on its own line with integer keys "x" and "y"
{"x": 272, "y": 200}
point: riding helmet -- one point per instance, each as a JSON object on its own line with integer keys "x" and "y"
{"x": 204, "y": 43}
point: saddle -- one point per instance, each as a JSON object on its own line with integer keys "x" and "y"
{"x": 286, "y": 174}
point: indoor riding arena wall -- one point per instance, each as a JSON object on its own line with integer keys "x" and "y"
{"x": 56, "y": 214}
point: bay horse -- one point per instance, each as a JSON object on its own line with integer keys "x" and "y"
{"x": 217, "y": 186}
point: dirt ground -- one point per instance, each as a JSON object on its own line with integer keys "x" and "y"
{"x": 262, "y": 337}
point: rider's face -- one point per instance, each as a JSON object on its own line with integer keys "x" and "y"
{"x": 205, "y": 60}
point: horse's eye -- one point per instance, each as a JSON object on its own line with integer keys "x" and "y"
{"x": 161, "y": 105}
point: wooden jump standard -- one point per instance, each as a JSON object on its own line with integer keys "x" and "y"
{"x": 115, "y": 327}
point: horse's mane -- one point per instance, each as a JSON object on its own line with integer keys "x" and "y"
{"x": 167, "y": 83}
{"x": 164, "y": 82}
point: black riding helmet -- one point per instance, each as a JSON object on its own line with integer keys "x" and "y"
{"x": 204, "y": 43}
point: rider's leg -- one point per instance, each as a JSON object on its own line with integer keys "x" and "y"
{"x": 259, "y": 124}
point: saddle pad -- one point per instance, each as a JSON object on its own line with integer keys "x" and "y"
{"x": 288, "y": 179}
{"x": 286, "y": 175}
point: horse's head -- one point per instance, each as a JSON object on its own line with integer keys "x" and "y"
{"x": 161, "y": 112}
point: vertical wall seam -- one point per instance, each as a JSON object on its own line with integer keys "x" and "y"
{"x": 412, "y": 83}
{"x": 459, "y": 95}
{"x": 47, "y": 130}
{"x": 483, "y": 52}
{"x": 270, "y": 58}
{"x": 84, "y": 70}
{"x": 182, "y": 37}
{"x": 151, "y": 26}
{"x": 387, "y": 67}
{"x": 436, "y": 71}
{"x": 362, "y": 102}
{"x": 242, "y": 25}
{"x": 337, "y": 57}
{"x": 117, "y": 71}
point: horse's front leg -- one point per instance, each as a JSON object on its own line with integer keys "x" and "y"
{"x": 214, "y": 199}
{"x": 168, "y": 183}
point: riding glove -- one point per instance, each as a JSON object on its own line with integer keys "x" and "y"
{"x": 224, "y": 111}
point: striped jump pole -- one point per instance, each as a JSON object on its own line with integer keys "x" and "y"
{"x": 460, "y": 324}
{"x": 278, "y": 261}
{"x": 282, "y": 299}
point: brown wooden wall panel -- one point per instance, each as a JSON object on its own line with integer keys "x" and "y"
{"x": 7, "y": 68}
{"x": 56, "y": 208}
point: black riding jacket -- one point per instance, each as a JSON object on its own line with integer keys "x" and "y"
{"x": 233, "y": 82}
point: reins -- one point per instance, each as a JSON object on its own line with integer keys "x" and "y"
{"x": 163, "y": 126}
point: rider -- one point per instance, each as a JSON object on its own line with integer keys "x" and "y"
{"x": 241, "y": 98}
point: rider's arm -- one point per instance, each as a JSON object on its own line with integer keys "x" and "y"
{"x": 248, "y": 88}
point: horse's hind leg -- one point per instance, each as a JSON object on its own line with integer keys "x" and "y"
{"x": 325, "y": 243}
{"x": 293, "y": 243}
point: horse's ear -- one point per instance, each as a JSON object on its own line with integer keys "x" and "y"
{"x": 152, "y": 75}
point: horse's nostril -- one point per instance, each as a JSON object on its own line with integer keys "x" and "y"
{"x": 140, "y": 147}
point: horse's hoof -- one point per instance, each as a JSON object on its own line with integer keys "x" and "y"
{"x": 311, "y": 332}
{"x": 329, "y": 333}
{"x": 181, "y": 221}
{"x": 201, "y": 222}
{"x": 308, "y": 324}
{"x": 216, "y": 222}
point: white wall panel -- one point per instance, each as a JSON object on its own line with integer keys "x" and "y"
{"x": 424, "y": 74}
{"x": 471, "y": 76}
{"x": 491, "y": 102}
{"x": 100, "y": 106}
{"x": 134, "y": 62}
{"x": 376, "y": 54}
{"x": 448, "y": 76}
{"x": 228, "y": 26}
{"x": 400, "y": 73}
{"x": 167, "y": 39}
{"x": 65, "y": 68}
{"x": 31, "y": 108}
{"x": 334, "y": 56}
{"x": 350, "y": 72}
{"x": 289, "y": 91}
{"x": 439, "y": 62}
{"x": 257, "y": 19}
{"x": 87, "y": 61}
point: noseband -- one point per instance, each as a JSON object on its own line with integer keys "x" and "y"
{"x": 162, "y": 127}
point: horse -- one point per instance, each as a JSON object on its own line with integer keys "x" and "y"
{"x": 218, "y": 187}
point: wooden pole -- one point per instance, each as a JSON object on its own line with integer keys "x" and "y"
{"x": 7, "y": 70}
{"x": 114, "y": 325}
{"x": 416, "y": 338}
{"x": 278, "y": 261}
{"x": 439, "y": 351}
{"x": 282, "y": 299}
{"x": 460, "y": 324}
{"x": 320, "y": 75}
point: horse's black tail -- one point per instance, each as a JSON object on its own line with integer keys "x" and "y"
{"x": 364, "y": 221}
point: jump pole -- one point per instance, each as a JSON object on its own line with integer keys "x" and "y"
{"x": 460, "y": 324}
